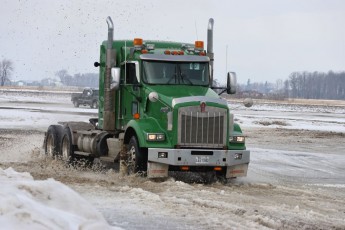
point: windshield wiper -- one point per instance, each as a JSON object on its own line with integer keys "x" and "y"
{"x": 171, "y": 78}
{"x": 184, "y": 76}
{"x": 174, "y": 76}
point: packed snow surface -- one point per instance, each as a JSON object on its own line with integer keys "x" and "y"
{"x": 26, "y": 203}
{"x": 295, "y": 179}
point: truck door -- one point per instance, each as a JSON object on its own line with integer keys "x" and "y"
{"x": 86, "y": 96}
{"x": 131, "y": 92}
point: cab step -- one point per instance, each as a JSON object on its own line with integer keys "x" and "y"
{"x": 80, "y": 153}
{"x": 107, "y": 159}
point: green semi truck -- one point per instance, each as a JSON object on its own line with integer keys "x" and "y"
{"x": 158, "y": 112}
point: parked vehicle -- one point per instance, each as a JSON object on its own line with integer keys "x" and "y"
{"x": 89, "y": 97}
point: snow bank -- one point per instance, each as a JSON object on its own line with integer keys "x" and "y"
{"x": 29, "y": 204}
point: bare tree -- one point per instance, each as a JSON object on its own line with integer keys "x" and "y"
{"x": 65, "y": 78}
{"x": 293, "y": 83}
{"x": 286, "y": 88}
{"x": 6, "y": 69}
{"x": 279, "y": 84}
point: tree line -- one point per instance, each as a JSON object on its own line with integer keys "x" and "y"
{"x": 316, "y": 85}
{"x": 80, "y": 80}
{"x": 304, "y": 85}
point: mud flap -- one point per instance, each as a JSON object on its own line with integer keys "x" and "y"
{"x": 123, "y": 163}
{"x": 114, "y": 147}
{"x": 157, "y": 170}
{"x": 237, "y": 171}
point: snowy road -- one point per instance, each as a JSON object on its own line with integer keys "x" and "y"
{"x": 296, "y": 177}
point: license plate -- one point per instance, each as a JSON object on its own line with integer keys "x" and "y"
{"x": 202, "y": 159}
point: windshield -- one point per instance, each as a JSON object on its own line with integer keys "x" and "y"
{"x": 176, "y": 73}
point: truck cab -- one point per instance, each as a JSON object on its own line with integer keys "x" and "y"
{"x": 166, "y": 108}
{"x": 158, "y": 112}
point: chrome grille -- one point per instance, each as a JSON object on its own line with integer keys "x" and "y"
{"x": 202, "y": 129}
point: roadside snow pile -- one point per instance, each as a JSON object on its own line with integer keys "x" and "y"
{"x": 38, "y": 97}
{"x": 280, "y": 106}
{"x": 29, "y": 204}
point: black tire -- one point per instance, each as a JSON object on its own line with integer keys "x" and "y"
{"x": 102, "y": 146}
{"x": 52, "y": 141}
{"x": 136, "y": 160}
{"x": 67, "y": 150}
{"x": 75, "y": 103}
{"x": 208, "y": 177}
{"x": 94, "y": 105}
{"x": 221, "y": 177}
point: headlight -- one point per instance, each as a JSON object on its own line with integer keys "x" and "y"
{"x": 237, "y": 139}
{"x": 155, "y": 137}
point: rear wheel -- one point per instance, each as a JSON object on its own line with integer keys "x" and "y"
{"x": 94, "y": 105}
{"x": 67, "y": 151}
{"x": 52, "y": 142}
{"x": 75, "y": 103}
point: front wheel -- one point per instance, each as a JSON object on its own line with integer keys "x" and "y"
{"x": 136, "y": 161}
{"x": 221, "y": 177}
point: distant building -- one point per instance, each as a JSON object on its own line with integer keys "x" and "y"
{"x": 20, "y": 83}
{"x": 50, "y": 82}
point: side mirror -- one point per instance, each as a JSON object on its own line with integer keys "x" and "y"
{"x": 231, "y": 83}
{"x": 115, "y": 78}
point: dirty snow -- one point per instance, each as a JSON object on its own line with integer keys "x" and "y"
{"x": 291, "y": 116}
{"x": 26, "y": 203}
{"x": 295, "y": 180}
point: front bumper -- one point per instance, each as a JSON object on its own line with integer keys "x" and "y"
{"x": 199, "y": 157}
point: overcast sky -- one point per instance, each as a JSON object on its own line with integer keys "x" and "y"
{"x": 266, "y": 39}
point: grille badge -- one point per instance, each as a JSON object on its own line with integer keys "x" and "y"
{"x": 203, "y": 107}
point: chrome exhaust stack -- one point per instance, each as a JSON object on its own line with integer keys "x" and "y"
{"x": 110, "y": 33}
{"x": 210, "y": 53}
{"x": 109, "y": 112}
